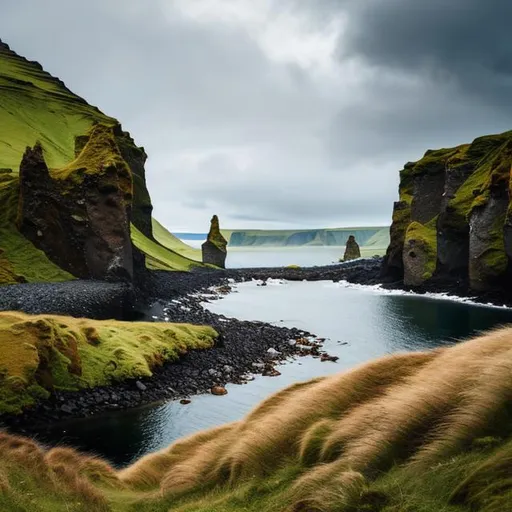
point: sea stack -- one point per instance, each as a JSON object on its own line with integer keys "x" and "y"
{"x": 352, "y": 251}
{"x": 214, "y": 249}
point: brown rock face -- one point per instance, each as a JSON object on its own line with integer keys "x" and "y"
{"x": 81, "y": 220}
{"x": 352, "y": 250}
{"x": 214, "y": 249}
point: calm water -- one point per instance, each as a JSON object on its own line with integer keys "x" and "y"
{"x": 372, "y": 322}
{"x": 240, "y": 257}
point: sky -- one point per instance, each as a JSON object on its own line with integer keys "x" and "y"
{"x": 278, "y": 113}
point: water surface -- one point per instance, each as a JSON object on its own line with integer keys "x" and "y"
{"x": 359, "y": 324}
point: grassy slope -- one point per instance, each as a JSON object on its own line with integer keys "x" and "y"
{"x": 34, "y": 106}
{"x": 280, "y": 236}
{"x": 417, "y": 432}
{"x": 173, "y": 243}
{"x": 59, "y": 352}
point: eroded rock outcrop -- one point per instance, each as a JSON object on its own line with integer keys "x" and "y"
{"x": 352, "y": 251}
{"x": 452, "y": 222}
{"x": 79, "y": 206}
{"x": 80, "y": 215}
{"x": 214, "y": 249}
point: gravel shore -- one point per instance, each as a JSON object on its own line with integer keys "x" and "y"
{"x": 244, "y": 348}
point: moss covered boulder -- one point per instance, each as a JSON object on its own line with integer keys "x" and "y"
{"x": 40, "y": 353}
{"x": 72, "y": 186}
{"x": 214, "y": 249}
{"x": 452, "y": 222}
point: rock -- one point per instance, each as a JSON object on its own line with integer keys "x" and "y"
{"x": 259, "y": 366}
{"x": 140, "y": 386}
{"x": 90, "y": 238}
{"x": 228, "y": 368}
{"x": 214, "y": 249}
{"x": 352, "y": 250}
{"x": 273, "y": 352}
{"x": 219, "y": 390}
{"x": 327, "y": 357}
{"x": 292, "y": 343}
{"x": 185, "y": 401}
{"x": 270, "y": 371}
{"x": 67, "y": 408}
{"x": 452, "y": 225}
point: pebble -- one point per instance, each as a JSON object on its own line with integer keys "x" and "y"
{"x": 140, "y": 386}
{"x": 219, "y": 390}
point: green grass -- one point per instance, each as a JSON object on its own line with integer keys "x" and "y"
{"x": 36, "y": 107}
{"x": 303, "y": 237}
{"x": 168, "y": 240}
{"x": 66, "y": 353}
{"x": 418, "y": 432}
{"x": 159, "y": 257}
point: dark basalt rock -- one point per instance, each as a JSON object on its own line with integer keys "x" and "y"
{"x": 452, "y": 227}
{"x": 82, "y": 226}
{"x": 214, "y": 249}
{"x": 352, "y": 251}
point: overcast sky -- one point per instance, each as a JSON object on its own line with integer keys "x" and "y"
{"x": 278, "y": 113}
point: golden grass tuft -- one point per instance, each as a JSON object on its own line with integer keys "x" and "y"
{"x": 366, "y": 439}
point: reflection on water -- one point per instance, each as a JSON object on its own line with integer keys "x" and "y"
{"x": 373, "y": 324}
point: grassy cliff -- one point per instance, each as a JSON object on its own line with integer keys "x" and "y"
{"x": 77, "y": 140}
{"x": 45, "y": 352}
{"x": 452, "y": 220}
{"x": 307, "y": 237}
{"x": 423, "y": 432}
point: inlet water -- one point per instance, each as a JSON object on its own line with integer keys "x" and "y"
{"x": 359, "y": 324}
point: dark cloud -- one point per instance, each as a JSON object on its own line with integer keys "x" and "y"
{"x": 464, "y": 40}
{"x": 278, "y": 113}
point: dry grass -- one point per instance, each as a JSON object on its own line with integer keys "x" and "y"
{"x": 399, "y": 433}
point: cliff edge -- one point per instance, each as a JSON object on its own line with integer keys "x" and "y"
{"x": 453, "y": 221}
{"x": 72, "y": 186}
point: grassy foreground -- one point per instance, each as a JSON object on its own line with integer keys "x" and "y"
{"x": 45, "y": 352}
{"x": 425, "y": 432}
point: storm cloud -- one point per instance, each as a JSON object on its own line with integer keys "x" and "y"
{"x": 289, "y": 113}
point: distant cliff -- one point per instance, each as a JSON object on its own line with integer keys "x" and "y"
{"x": 453, "y": 220}
{"x": 72, "y": 186}
{"x": 377, "y": 236}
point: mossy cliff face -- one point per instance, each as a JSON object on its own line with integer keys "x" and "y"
{"x": 72, "y": 185}
{"x": 45, "y": 352}
{"x": 80, "y": 215}
{"x": 453, "y": 222}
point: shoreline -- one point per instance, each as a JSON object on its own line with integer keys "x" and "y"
{"x": 243, "y": 349}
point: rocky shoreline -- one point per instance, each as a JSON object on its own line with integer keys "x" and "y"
{"x": 244, "y": 348}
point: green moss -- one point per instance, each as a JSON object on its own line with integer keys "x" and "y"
{"x": 71, "y": 354}
{"x": 215, "y": 235}
{"x": 426, "y": 237}
{"x": 99, "y": 155}
{"x": 20, "y": 261}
